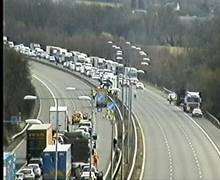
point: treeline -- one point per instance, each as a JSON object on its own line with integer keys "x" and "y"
{"x": 17, "y": 84}
{"x": 44, "y": 20}
{"x": 88, "y": 28}
{"x": 194, "y": 69}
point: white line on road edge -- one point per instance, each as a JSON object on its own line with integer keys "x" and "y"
{"x": 13, "y": 151}
{"x": 46, "y": 87}
{"x": 21, "y": 132}
{"x": 135, "y": 151}
{"x": 18, "y": 134}
{"x": 204, "y": 132}
{"x": 113, "y": 155}
{"x": 143, "y": 142}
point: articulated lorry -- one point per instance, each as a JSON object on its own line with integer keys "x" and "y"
{"x": 38, "y": 137}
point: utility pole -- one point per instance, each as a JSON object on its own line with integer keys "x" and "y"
{"x": 57, "y": 125}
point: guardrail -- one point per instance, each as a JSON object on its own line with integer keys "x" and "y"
{"x": 93, "y": 84}
{"x": 208, "y": 115}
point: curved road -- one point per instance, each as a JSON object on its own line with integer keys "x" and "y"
{"x": 57, "y": 81}
{"x": 175, "y": 147}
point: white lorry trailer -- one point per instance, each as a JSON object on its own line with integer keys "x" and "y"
{"x": 63, "y": 119}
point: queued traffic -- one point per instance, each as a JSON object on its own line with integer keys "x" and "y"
{"x": 77, "y": 156}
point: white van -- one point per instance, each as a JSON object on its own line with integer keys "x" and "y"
{"x": 78, "y": 67}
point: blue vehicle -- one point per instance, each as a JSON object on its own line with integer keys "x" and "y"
{"x": 64, "y": 161}
{"x": 9, "y": 166}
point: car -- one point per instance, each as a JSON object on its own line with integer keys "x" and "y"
{"x": 36, "y": 161}
{"x": 172, "y": 97}
{"x": 197, "y": 112}
{"x": 139, "y": 85}
{"x": 84, "y": 128}
{"x": 86, "y": 168}
{"x": 86, "y": 123}
{"x": 81, "y": 133}
{"x": 27, "y": 172}
{"x": 85, "y": 176}
{"x": 19, "y": 176}
{"x": 52, "y": 59}
{"x": 36, "y": 168}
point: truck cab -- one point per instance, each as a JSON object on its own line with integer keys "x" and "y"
{"x": 191, "y": 100}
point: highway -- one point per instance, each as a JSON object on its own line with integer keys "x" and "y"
{"x": 56, "y": 82}
{"x": 175, "y": 147}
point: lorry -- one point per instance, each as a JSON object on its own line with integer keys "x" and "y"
{"x": 79, "y": 141}
{"x": 33, "y": 46}
{"x": 63, "y": 161}
{"x": 131, "y": 73}
{"x": 9, "y": 166}
{"x": 62, "y": 118}
{"x": 191, "y": 100}
{"x": 38, "y": 137}
{"x": 77, "y": 117}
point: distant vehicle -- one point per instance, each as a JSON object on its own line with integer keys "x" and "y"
{"x": 27, "y": 172}
{"x": 86, "y": 123}
{"x": 36, "y": 168}
{"x": 33, "y": 121}
{"x": 197, "y": 112}
{"x": 5, "y": 39}
{"x": 52, "y": 59}
{"x": 172, "y": 97}
{"x": 19, "y": 176}
{"x": 139, "y": 85}
{"x": 34, "y": 45}
{"x": 191, "y": 100}
{"x": 77, "y": 116}
{"x": 85, "y": 176}
{"x": 10, "y": 44}
{"x": 38, "y": 161}
{"x": 85, "y": 128}
{"x": 72, "y": 66}
{"x": 131, "y": 73}
{"x": 78, "y": 67}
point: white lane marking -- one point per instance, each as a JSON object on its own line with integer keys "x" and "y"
{"x": 13, "y": 151}
{"x": 195, "y": 155}
{"x": 204, "y": 132}
{"x": 38, "y": 111}
{"x": 144, "y": 150}
{"x": 35, "y": 76}
{"x": 171, "y": 171}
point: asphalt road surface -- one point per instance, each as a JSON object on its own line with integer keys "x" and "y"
{"x": 175, "y": 147}
{"x": 57, "y": 81}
